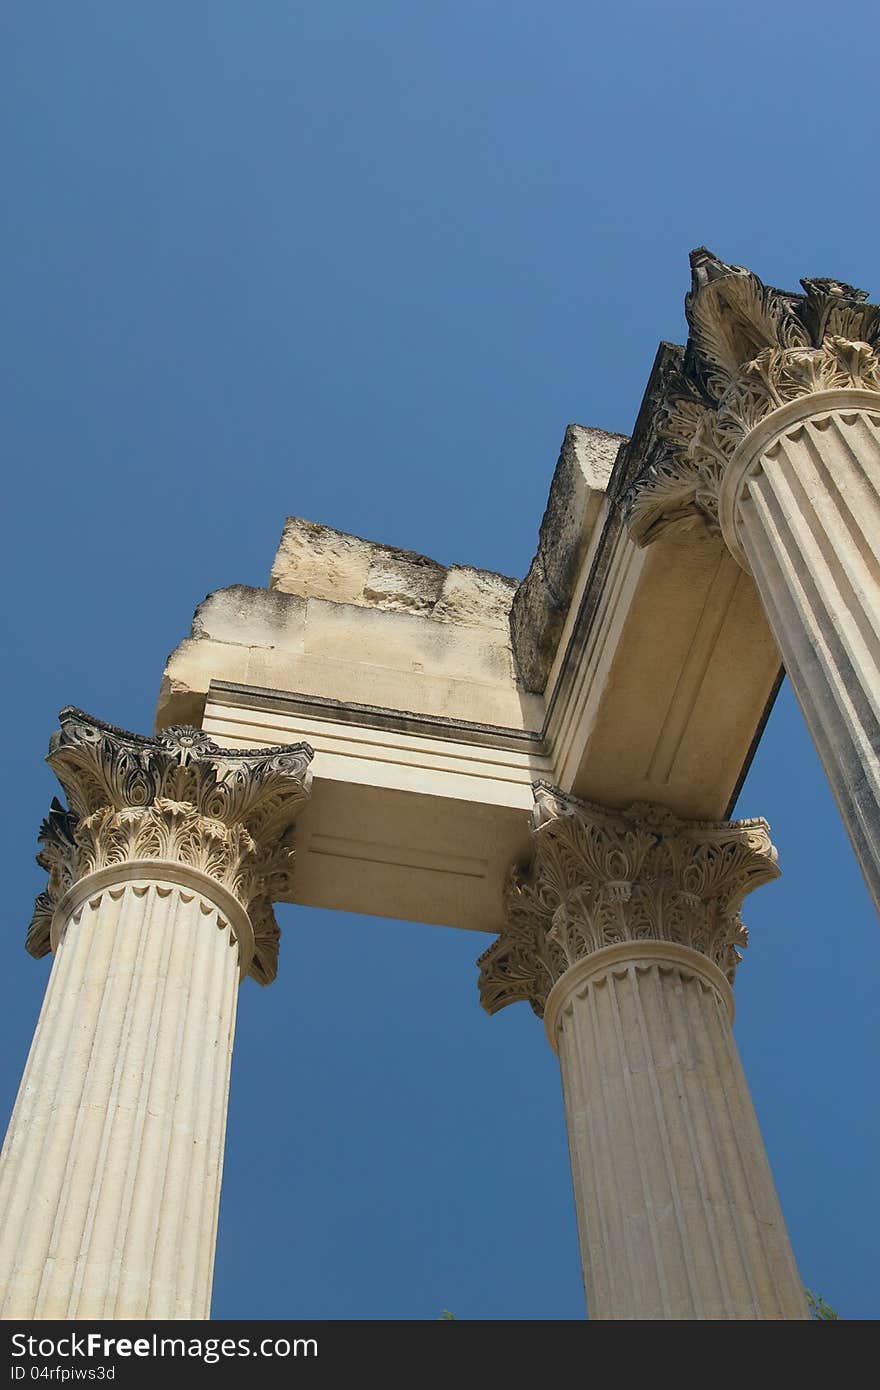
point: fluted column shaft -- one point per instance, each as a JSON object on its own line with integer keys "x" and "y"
{"x": 677, "y": 1212}
{"x": 110, "y": 1177}
{"x": 161, "y": 878}
{"x": 624, "y": 933}
{"x": 801, "y": 507}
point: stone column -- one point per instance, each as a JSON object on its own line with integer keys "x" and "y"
{"x": 161, "y": 879}
{"x": 624, "y": 935}
{"x": 769, "y": 432}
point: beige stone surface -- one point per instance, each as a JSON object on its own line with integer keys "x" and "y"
{"x": 400, "y": 660}
{"x": 162, "y": 873}
{"x": 404, "y": 819}
{"x": 675, "y": 682}
{"x": 315, "y": 561}
{"x": 626, "y": 679}
{"x": 625, "y": 934}
{"x": 677, "y": 1210}
{"x": 767, "y": 430}
{"x": 110, "y": 1174}
{"x": 807, "y": 517}
{"x": 436, "y": 696}
{"x": 568, "y": 529}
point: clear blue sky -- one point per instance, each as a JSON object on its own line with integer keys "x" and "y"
{"x": 363, "y": 263}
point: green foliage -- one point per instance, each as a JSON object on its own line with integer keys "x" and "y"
{"x": 819, "y": 1310}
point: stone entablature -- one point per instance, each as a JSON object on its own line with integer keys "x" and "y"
{"x": 619, "y": 671}
{"x": 315, "y": 561}
{"x": 362, "y": 622}
{"x": 542, "y": 601}
{"x": 431, "y": 720}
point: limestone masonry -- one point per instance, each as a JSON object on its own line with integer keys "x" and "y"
{"x": 551, "y": 763}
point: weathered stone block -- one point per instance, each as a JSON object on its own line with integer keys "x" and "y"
{"x": 542, "y": 601}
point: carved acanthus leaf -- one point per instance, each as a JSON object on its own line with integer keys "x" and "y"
{"x": 175, "y": 798}
{"x": 752, "y": 349}
{"x": 733, "y": 317}
{"x": 601, "y": 877}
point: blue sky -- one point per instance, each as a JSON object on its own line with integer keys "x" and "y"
{"x": 363, "y": 263}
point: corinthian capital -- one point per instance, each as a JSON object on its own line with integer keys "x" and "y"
{"x": 601, "y": 878}
{"x": 175, "y": 799}
{"x": 751, "y": 350}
